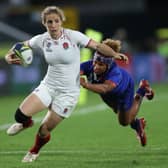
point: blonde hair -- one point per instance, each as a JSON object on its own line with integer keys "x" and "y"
{"x": 114, "y": 44}
{"x": 52, "y": 9}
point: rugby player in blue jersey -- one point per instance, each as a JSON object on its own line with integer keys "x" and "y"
{"x": 116, "y": 88}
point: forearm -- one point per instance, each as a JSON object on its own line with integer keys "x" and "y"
{"x": 103, "y": 49}
{"x": 97, "y": 88}
{"x": 107, "y": 51}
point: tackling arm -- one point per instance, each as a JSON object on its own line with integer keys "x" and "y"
{"x": 98, "y": 88}
{"x": 107, "y": 51}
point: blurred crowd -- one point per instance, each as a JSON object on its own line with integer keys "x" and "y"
{"x": 152, "y": 40}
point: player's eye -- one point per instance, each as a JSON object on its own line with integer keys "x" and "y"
{"x": 49, "y": 21}
{"x": 53, "y": 21}
{"x": 57, "y": 21}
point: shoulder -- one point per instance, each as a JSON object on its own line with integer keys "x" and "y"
{"x": 43, "y": 36}
{"x": 86, "y": 67}
{"x": 87, "y": 64}
{"x": 37, "y": 40}
{"x": 114, "y": 70}
{"x": 118, "y": 72}
{"x": 40, "y": 36}
{"x": 69, "y": 33}
{"x": 72, "y": 32}
{"x": 66, "y": 30}
{"x": 79, "y": 38}
{"x": 113, "y": 67}
{"x": 90, "y": 62}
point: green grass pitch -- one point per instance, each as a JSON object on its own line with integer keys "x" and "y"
{"x": 91, "y": 137}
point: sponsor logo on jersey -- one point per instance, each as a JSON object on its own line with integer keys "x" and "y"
{"x": 48, "y": 45}
{"x": 56, "y": 42}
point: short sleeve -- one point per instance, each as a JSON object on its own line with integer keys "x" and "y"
{"x": 36, "y": 42}
{"x": 79, "y": 38}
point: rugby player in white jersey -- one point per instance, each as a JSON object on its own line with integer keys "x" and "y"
{"x": 59, "y": 90}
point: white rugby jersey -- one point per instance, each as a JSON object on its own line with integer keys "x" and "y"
{"x": 63, "y": 58}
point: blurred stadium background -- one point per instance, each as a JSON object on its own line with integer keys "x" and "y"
{"x": 142, "y": 27}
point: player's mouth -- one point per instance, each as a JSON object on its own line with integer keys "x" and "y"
{"x": 97, "y": 71}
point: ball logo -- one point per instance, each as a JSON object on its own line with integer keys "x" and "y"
{"x": 65, "y": 110}
{"x": 29, "y": 58}
{"x": 65, "y": 45}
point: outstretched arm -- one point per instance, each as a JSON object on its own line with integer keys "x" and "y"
{"x": 107, "y": 51}
{"x": 98, "y": 88}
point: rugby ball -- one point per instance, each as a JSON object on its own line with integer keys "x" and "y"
{"x": 24, "y": 52}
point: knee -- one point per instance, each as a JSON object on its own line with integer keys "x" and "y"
{"x": 20, "y": 117}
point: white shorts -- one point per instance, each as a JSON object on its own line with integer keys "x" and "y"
{"x": 63, "y": 103}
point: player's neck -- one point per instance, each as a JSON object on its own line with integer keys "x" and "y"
{"x": 57, "y": 35}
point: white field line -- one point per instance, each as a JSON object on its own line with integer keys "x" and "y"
{"x": 90, "y": 109}
{"x": 113, "y": 151}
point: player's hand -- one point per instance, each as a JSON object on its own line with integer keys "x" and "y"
{"x": 123, "y": 57}
{"x": 12, "y": 59}
{"x": 83, "y": 82}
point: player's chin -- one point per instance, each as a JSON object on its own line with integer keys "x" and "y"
{"x": 97, "y": 72}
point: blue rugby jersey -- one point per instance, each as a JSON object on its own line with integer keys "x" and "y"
{"x": 115, "y": 74}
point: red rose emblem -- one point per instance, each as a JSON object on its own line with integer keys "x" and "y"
{"x": 65, "y": 45}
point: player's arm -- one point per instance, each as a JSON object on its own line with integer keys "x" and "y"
{"x": 98, "y": 88}
{"x": 106, "y": 50}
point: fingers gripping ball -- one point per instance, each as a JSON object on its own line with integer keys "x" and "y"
{"x": 24, "y": 52}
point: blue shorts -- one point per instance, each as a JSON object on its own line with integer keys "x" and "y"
{"x": 120, "y": 101}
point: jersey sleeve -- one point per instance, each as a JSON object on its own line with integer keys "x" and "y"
{"x": 80, "y": 39}
{"x": 35, "y": 42}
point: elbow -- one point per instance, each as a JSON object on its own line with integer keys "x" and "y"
{"x": 104, "y": 91}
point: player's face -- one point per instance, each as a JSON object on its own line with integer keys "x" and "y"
{"x": 99, "y": 67}
{"x": 53, "y": 25}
